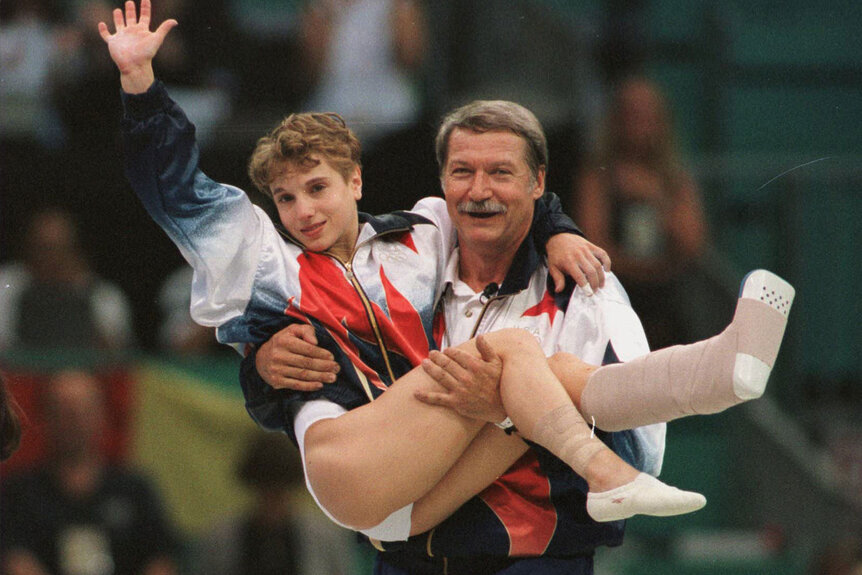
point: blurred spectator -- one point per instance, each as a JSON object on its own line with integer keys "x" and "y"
{"x": 28, "y": 51}
{"x": 843, "y": 557}
{"x": 281, "y": 532}
{"x": 201, "y": 51}
{"x": 197, "y": 62}
{"x": 10, "y": 423}
{"x": 638, "y": 202}
{"x": 86, "y": 93}
{"x": 78, "y": 515}
{"x": 363, "y": 56}
{"x": 178, "y": 333}
{"x": 267, "y": 31}
{"x": 365, "y": 60}
{"x": 623, "y": 48}
{"x": 194, "y": 62}
{"x": 52, "y": 299}
{"x": 477, "y": 52}
{"x": 79, "y": 163}
{"x": 29, "y": 128}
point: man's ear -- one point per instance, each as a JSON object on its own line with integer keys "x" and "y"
{"x": 539, "y": 187}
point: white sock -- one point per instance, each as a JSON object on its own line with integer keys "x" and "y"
{"x": 644, "y": 495}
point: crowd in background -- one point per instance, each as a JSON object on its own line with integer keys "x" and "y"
{"x": 82, "y": 267}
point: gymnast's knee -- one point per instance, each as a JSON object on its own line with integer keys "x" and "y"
{"x": 513, "y": 341}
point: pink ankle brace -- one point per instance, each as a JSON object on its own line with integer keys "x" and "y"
{"x": 686, "y": 379}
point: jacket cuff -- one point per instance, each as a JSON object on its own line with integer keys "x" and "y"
{"x": 549, "y": 219}
{"x": 142, "y": 106}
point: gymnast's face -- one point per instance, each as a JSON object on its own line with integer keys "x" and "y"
{"x": 317, "y": 206}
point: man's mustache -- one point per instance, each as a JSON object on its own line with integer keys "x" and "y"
{"x": 484, "y": 207}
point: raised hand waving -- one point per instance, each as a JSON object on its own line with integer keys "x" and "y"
{"x": 133, "y": 46}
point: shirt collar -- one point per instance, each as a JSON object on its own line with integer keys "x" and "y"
{"x": 451, "y": 281}
{"x": 526, "y": 261}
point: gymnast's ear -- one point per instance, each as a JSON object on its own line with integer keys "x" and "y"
{"x": 355, "y": 183}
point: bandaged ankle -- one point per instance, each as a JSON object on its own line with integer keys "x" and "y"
{"x": 702, "y": 378}
{"x": 564, "y": 433}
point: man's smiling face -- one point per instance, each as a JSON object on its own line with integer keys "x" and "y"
{"x": 489, "y": 188}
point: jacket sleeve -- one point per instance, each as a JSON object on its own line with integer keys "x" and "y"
{"x": 549, "y": 219}
{"x": 268, "y": 407}
{"x": 216, "y": 227}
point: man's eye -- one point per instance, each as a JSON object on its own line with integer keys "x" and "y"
{"x": 317, "y": 188}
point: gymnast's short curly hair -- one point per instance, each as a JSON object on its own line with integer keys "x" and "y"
{"x": 302, "y": 140}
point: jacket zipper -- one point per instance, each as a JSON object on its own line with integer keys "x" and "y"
{"x": 366, "y": 302}
{"x": 369, "y": 312}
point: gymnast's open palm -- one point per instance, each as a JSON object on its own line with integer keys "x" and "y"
{"x": 133, "y": 46}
